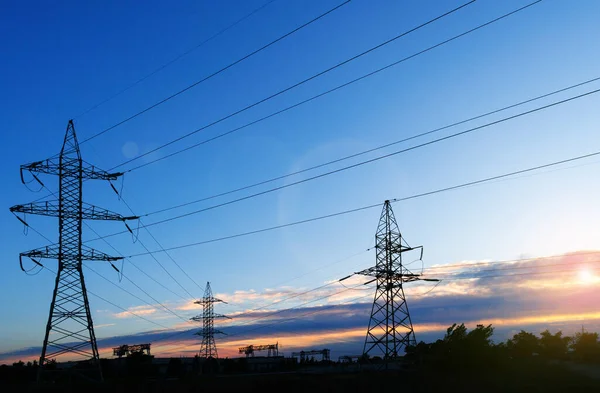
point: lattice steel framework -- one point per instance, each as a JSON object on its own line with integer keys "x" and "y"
{"x": 70, "y": 328}
{"x": 208, "y": 348}
{"x": 390, "y": 326}
{"x": 272, "y": 349}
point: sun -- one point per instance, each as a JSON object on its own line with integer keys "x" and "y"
{"x": 585, "y": 276}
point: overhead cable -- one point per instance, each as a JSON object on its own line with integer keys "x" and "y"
{"x": 313, "y": 219}
{"x": 280, "y": 92}
{"x": 175, "y": 59}
{"x": 214, "y": 73}
{"x": 354, "y": 155}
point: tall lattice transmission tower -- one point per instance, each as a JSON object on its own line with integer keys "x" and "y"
{"x": 390, "y": 326}
{"x": 70, "y": 330}
{"x": 208, "y": 348}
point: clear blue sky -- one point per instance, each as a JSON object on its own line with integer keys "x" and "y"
{"x": 61, "y": 58}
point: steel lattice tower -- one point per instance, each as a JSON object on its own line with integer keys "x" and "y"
{"x": 390, "y": 326}
{"x": 208, "y": 348}
{"x": 70, "y": 328}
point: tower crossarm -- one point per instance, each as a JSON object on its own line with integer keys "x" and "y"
{"x": 52, "y": 166}
{"x": 402, "y": 248}
{"x": 52, "y": 209}
{"x": 209, "y": 299}
{"x": 213, "y": 331}
{"x": 53, "y": 252}
{"x": 388, "y": 273}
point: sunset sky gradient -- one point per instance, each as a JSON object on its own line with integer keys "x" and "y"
{"x": 61, "y": 59}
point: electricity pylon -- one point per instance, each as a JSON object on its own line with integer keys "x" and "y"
{"x": 208, "y": 348}
{"x": 390, "y": 326}
{"x": 70, "y": 329}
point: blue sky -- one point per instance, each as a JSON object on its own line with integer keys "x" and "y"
{"x": 59, "y": 60}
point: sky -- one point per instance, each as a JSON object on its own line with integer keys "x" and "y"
{"x": 72, "y": 60}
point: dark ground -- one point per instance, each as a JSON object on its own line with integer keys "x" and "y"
{"x": 520, "y": 376}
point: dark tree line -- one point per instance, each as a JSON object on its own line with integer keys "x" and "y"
{"x": 463, "y": 348}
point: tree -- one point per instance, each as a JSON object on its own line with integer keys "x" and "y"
{"x": 455, "y": 333}
{"x": 481, "y": 336}
{"x": 463, "y": 348}
{"x": 554, "y": 346}
{"x": 586, "y": 347}
{"x": 523, "y": 345}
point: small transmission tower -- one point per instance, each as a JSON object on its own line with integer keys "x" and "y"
{"x": 208, "y": 347}
{"x": 390, "y": 326}
{"x": 69, "y": 329}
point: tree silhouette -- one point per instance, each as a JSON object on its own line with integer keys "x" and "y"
{"x": 586, "y": 347}
{"x": 554, "y": 346}
{"x": 523, "y": 345}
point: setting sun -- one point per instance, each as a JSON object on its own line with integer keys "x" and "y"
{"x": 585, "y": 276}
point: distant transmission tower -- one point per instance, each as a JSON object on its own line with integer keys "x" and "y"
{"x": 208, "y": 347}
{"x": 69, "y": 329}
{"x": 390, "y": 327}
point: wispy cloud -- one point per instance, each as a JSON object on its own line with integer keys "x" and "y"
{"x": 526, "y": 293}
{"x": 104, "y": 325}
{"x": 136, "y": 310}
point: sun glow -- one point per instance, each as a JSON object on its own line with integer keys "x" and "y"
{"x": 585, "y": 276}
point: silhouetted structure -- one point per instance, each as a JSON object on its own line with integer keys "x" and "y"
{"x": 390, "y": 326}
{"x": 70, "y": 328}
{"x": 349, "y": 358}
{"x": 208, "y": 347}
{"x": 303, "y": 354}
{"x": 129, "y": 350}
{"x": 272, "y": 350}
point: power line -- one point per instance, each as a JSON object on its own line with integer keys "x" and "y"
{"x": 153, "y": 257}
{"x": 162, "y": 248}
{"x": 96, "y": 295}
{"x": 354, "y": 299}
{"x": 369, "y": 161}
{"x": 214, "y": 73}
{"x": 368, "y": 295}
{"x": 508, "y": 261}
{"x": 308, "y": 100}
{"x": 123, "y": 275}
{"x": 277, "y": 312}
{"x": 299, "y": 276}
{"x": 147, "y": 250}
{"x": 465, "y": 278}
{"x": 123, "y": 289}
{"x": 155, "y": 280}
{"x": 296, "y": 295}
{"x": 177, "y": 58}
{"x": 318, "y": 95}
{"x": 368, "y": 206}
{"x": 373, "y": 149}
{"x": 339, "y": 87}
{"x": 449, "y": 279}
{"x": 302, "y": 315}
{"x": 511, "y": 268}
{"x": 320, "y": 310}
{"x": 280, "y": 92}
{"x": 512, "y": 275}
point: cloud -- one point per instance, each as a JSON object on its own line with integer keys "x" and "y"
{"x": 532, "y": 294}
{"x": 131, "y": 312}
{"x": 104, "y": 325}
